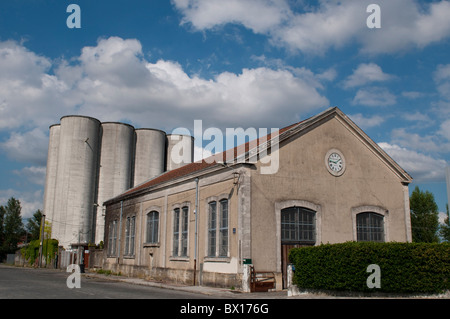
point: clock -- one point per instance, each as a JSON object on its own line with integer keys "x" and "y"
{"x": 335, "y": 162}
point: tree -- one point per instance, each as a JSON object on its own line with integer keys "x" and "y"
{"x": 2, "y": 231}
{"x": 445, "y": 228}
{"x": 12, "y": 226}
{"x": 34, "y": 225}
{"x": 424, "y": 217}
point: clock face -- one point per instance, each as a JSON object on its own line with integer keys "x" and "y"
{"x": 335, "y": 162}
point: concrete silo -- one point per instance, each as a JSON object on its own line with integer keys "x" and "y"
{"x": 180, "y": 151}
{"x": 52, "y": 169}
{"x": 116, "y": 167}
{"x": 76, "y": 180}
{"x": 149, "y": 160}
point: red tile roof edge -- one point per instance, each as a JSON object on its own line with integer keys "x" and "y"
{"x": 190, "y": 168}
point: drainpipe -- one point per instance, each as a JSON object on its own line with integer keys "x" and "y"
{"x": 120, "y": 231}
{"x": 196, "y": 233}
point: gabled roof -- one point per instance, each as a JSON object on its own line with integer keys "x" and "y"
{"x": 197, "y": 168}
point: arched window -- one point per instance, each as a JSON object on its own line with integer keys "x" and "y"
{"x": 129, "y": 235}
{"x": 112, "y": 238}
{"x": 298, "y": 225}
{"x": 152, "y": 227}
{"x": 370, "y": 227}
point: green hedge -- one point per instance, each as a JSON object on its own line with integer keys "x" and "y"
{"x": 404, "y": 267}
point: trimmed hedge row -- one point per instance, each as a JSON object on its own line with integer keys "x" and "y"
{"x": 404, "y": 267}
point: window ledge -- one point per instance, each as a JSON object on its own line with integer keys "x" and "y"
{"x": 151, "y": 245}
{"x": 179, "y": 258}
{"x": 217, "y": 259}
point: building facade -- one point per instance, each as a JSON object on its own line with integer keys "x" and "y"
{"x": 200, "y": 223}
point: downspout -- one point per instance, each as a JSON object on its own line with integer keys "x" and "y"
{"x": 120, "y": 231}
{"x": 196, "y": 232}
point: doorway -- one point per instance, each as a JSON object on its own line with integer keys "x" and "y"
{"x": 298, "y": 229}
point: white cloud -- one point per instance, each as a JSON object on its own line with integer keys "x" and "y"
{"x": 374, "y": 96}
{"x": 33, "y": 174}
{"x": 442, "y": 79}
{"x": 257, "y": 15}
{"x": 429, "y": 143}
{"x": 117, "y": 82}
{"x": 366, "y": 73}
{"x": 442, "y": 73}
{"x": 329, "y": 24}
{"x": 29, "y": 95}
{"x": 30, "y": 201}
{"x": 112, "y": 81}
{"x": 367, "y": 122}
{"x": 413, "y": 94}
{"x": 421, "y": 167}
{"x": 418, "y": 117}
{"x": 28, "y": 147}
{"x": 442, "y": 217}
{"x": 445, "y": 129}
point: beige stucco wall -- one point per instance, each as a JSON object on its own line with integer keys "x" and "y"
{"x": 156, "y": 260}
{"x": 303, "y": 177}
{"x": 255, "y": 203}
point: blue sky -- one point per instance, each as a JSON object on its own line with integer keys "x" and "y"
{"x": 246, "y": 63}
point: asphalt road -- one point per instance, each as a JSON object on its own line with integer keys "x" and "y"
{"x": 17, "y": 283}
{"x": 30, "y": 283}
{"x": 48, "y": 292}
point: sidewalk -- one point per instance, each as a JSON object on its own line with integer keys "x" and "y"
{"x": 224, "y": 293}
{"x": 210, "y": 291}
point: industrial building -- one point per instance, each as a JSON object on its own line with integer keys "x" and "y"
{"x": 204, "y": 222}
{"x": 90, "y": 162}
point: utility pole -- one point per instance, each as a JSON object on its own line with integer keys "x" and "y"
{"x": 196, "y": 230}
{"x": 42, "y": 239}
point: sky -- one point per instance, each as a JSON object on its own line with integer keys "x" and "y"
{"x": 235, "y": 63}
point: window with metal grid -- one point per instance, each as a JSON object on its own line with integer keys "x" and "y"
{"x": 112, "y": 238}
{"x": 129, "y": 236}
{"x": 370, "y": 227}
{"x": 152, "y": 227}
{"x": 212, "y": 226}
{"x": 184, "y": 231}
{"x": 180, "y": 232}
{"x": 223, "y": 230}
{"x": 298, "y": 225}
{"x": 176, "y": 231}
{"x": 218, "y": 229}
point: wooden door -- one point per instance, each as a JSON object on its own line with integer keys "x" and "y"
{"x": 285, "y": 249}
{"x": 86, "y": 259}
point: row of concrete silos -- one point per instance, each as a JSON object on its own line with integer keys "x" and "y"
{"x": 90, "y": 162}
